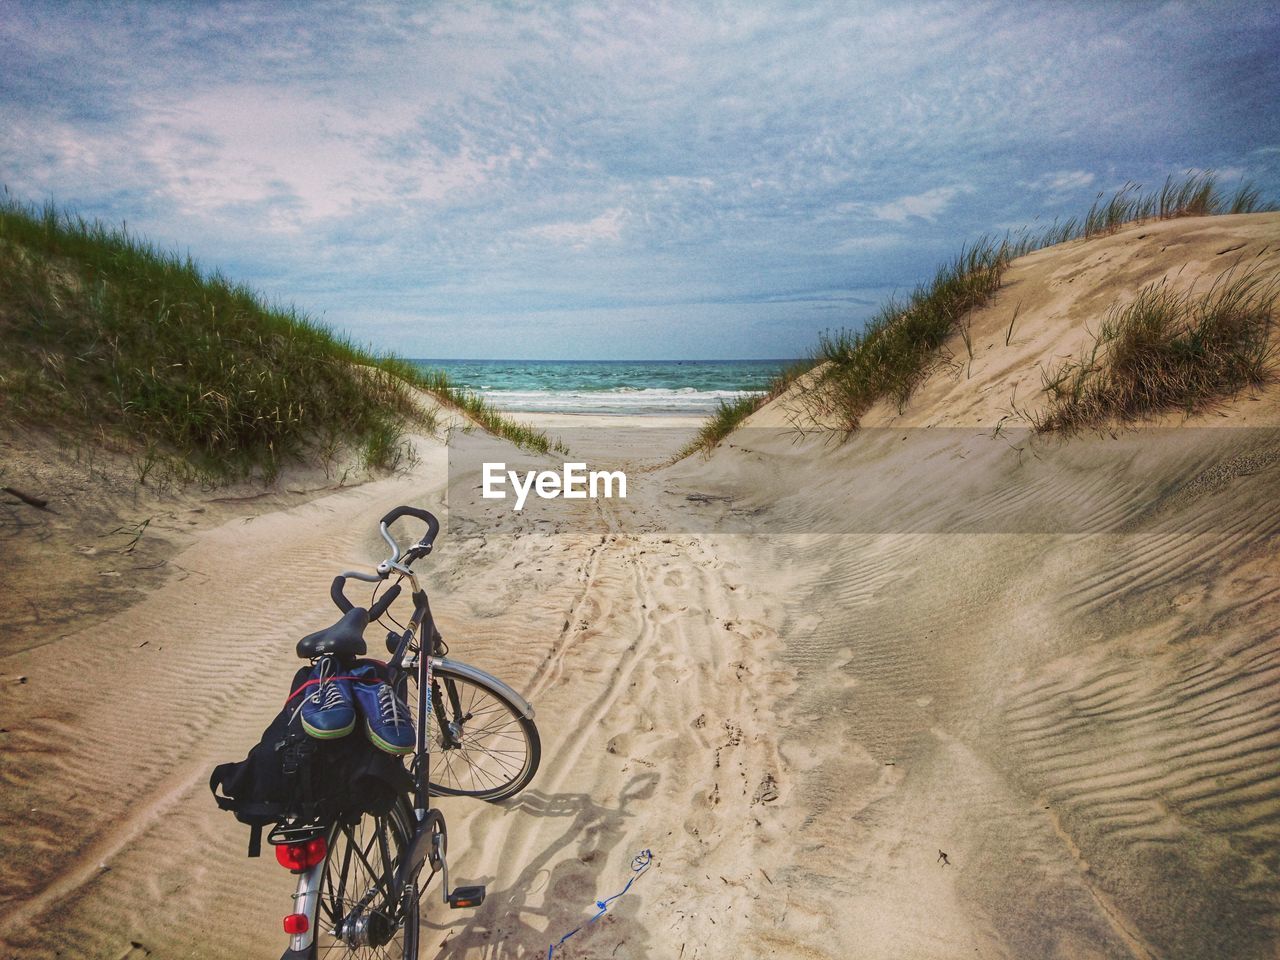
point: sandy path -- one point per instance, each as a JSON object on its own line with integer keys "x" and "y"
{"x": 796, "y": 724}
{"x": 623, "y": 644}
{"x": 653, "y": 706}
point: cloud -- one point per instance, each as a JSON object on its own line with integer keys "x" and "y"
{"x": 1062, "y": 181}
{"x": 925, "y": 206}
{"x": 606, "y": 227}
{"x": 1225, "y": 174}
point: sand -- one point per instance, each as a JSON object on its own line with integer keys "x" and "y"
{"x": 617, "y": 440}
{"x": 797, "y": 723}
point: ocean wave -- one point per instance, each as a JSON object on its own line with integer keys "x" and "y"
{"x": 630, "y": 387}
{"x": 653, "y": 400}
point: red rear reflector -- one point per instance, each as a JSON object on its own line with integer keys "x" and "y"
{"x": 301, "y": 856}
{"x": 296, "y": 923}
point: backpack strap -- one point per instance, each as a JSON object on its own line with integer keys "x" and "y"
{"x": 255, "y": 814}
{"x": 297, "y": 765}
{"x": 216, "y": 779}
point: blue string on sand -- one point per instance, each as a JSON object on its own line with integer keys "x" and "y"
{"x": 639, "y": 864}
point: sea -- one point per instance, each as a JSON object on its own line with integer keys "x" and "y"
{"x": 643, "y": 387}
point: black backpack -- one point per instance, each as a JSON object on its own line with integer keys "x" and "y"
{"x": 289, "y": 777}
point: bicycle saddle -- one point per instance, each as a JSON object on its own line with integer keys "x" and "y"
{"x": 345, "y": 638}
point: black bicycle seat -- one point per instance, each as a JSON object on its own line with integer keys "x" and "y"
{"x": 345, "y": 638}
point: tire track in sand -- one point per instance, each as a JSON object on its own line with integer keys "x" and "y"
{"x": 652, "y": 714}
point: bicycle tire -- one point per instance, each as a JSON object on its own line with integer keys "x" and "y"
{"x": 356, "y": 918}
{"x": 492, "y": 761}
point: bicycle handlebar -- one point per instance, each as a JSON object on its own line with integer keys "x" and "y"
{"x": 388, "y": 598}
{"x": 433, "y": 525}
{"x": 338, "y": 597}
{"x": 415, "y": 552}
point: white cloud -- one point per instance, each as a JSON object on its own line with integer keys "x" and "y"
{"x": 579, "y": 235}
{"x": 925, "y": 206}
{"x": 1063, "y": 181}
{"x": 1223, "y": 175}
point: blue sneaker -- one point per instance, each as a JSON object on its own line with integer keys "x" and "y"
{"x": 387, "y": 719}
{"x": 329, "y": 711}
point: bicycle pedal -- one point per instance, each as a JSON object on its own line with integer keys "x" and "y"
{"x": 466, "y": 897}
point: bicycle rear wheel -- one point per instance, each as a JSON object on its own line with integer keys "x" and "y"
{"x": 359, "y": 915}
{"x": 481, "y": 744}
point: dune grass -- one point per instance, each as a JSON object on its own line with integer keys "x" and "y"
{"x": 898, "y": 348}
{"x": 1169, "y": 350}
{"x": 894, "y": 353}
{"x": 105, "y": 333}
{"x": 889, "y": 357}
{"x": 1193, "y": 195}
{"x": 486, "y": 414}
{"x": 730, "y": 413}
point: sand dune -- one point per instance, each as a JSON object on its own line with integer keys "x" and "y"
{"x": 797, "y": 723}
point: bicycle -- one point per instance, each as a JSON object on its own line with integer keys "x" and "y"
{"x": 359, "y": 883}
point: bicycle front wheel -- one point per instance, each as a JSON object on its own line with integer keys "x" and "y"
{"x": 359, "y": 914}
{"x": 481, "y": 744}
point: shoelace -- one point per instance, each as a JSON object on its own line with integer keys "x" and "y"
{"x": 389, "y": 705}
{"x": 327, "y": 695}
{"x": 332, "y": 697}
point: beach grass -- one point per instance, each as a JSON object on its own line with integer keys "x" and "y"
{"x": 897, "y": 349}
{"x": 1197, "y": 194}
{"x": 105, "y": 333}
{"x": 726, "y": 418}
{"x": 1169, "y": 350}
{"x": 729, "y": 414}
{"x": 894, "y": 353}
{"x": 486, "y": 415}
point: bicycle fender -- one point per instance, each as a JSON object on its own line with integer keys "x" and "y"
{"x": 485, "y": 680}
{"x": 306, "y": 901}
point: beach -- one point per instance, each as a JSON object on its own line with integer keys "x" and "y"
{"x": 634, "y": 441}
{"x": 991, "y": 717}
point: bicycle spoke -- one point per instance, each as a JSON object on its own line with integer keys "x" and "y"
{"x": 483, "y": 745}
{"x": 476, "y": 770}
{"x": 373, "y": 874}
{"x": 498, "y": 758}
{"x": 357, "y": 890}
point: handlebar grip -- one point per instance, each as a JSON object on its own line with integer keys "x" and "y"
{"x": 387, "y": 599}
{"x": 433, "y": 525}
{"x": 340, "y": 598}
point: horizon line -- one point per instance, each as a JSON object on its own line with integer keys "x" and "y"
{"x": 602, "y": 360}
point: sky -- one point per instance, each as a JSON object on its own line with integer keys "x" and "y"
{"x": 616, "y": 181}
